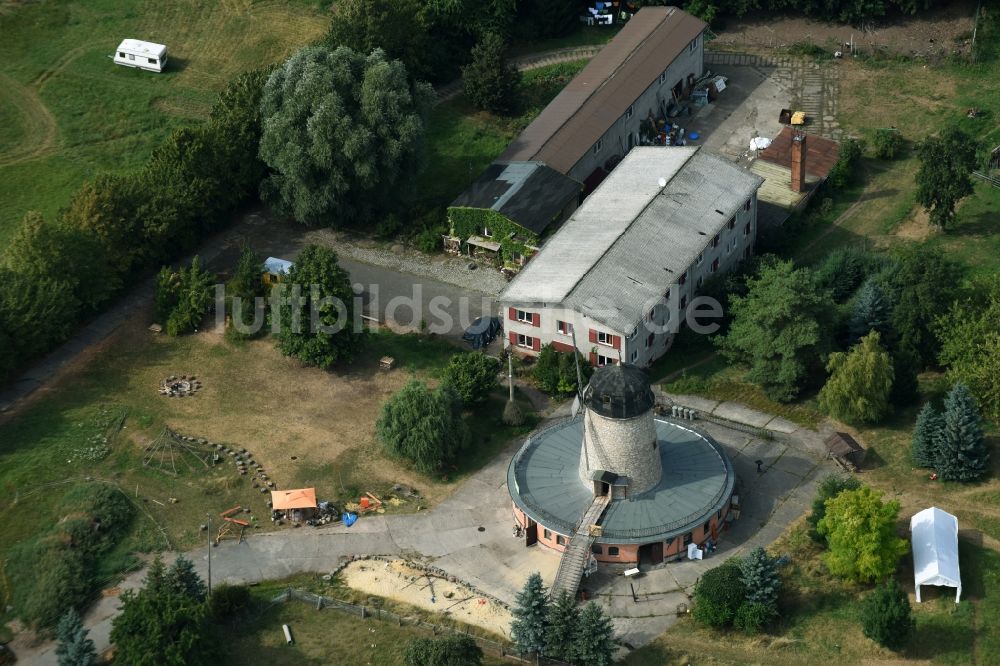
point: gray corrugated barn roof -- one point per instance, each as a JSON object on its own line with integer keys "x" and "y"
{"x": 529, "y": 193}
{"x": 600, "y": 94}
{"x": 631, "y": 239}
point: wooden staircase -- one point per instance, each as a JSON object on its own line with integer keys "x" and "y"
{"x": 574, "y": 558}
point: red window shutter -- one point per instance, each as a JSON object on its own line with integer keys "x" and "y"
{"x": 536, "y": 319}
{"x": 513, "y": 339}
{"x": 593, "y": 336}
{"x": 616, "y": 341}
{"x": 536, "y": 344}
{"x": 593, "y": 359}
{"x": 512, "y": 314}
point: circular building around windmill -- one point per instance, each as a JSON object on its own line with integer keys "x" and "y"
{"x": 632, "y": 487}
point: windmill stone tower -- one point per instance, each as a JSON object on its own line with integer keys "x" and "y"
{"x": 620, "y": 455}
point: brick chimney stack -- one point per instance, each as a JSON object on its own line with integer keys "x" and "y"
{"x": 799, "y": 162}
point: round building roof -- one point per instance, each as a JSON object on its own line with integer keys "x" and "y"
{"x": 619, "y": 391}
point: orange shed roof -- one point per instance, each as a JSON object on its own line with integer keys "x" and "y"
{"x": 303, "y": 498}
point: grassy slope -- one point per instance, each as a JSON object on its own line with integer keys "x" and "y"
{"x": 108, "y": 118}
{"x": 326, "y": 637}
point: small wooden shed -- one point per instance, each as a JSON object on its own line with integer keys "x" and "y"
{"x": 845, "y": 449}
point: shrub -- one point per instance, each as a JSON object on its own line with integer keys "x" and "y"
{"x": 886, "y": 143}
{"x": 845, "y": 171}
{"x": 719, "y": 593}
{"x": 752, "y": 617}
{"x": 228, "y": 600}
{"x": 451, "y": 650}
{"x": 886, "y": 616}
{"x": 860, "y": 530}
{"x": 473, "y": 375}
{"x": 555, "y": 371}
{"x": 62, "y": 579}
{"x": 183, "y": 298}
{"x": 422, "y": 426}
{"x": 829, "y": 488}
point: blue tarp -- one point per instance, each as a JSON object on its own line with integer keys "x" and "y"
{"x": 349, "y": 518}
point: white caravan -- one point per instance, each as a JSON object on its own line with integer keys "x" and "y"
{"x": 140, "y": 54}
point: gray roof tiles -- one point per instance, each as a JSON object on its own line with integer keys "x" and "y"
{"x": 632, "y": 239}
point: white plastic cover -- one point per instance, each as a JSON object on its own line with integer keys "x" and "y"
{"x": 934, "y": 537}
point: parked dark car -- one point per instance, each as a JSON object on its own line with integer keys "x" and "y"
{"x": 483, "y": 331}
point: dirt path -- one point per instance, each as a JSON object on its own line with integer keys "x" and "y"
{"x": 40, "y": 129}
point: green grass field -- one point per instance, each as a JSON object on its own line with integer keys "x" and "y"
{"x": 67, "y": 112}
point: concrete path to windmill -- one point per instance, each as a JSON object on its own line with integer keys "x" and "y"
{"x": 469, "y": 535}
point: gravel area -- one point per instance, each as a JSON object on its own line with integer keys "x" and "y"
{"x": 452, "y": 270}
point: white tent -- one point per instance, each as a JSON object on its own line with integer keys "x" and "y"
{"x": 934, "y": 535}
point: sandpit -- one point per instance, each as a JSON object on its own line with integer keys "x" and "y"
{"x": 397, "y": 581}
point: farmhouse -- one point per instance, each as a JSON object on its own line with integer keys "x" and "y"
{"x": 581, "y": 135}
{"x": 621, "y": 272}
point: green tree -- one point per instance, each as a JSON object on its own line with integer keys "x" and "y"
{"x": 829, "y": 487}
{"x": 242, "y": 292}
{"x": 926, "y": 432}
{"x": 860, "y": 531}
{"x": 944, "y": 177}
{"x": 845, "y": 170}
{"x": 962, "y": 452}
{"x": 548, "y": 18}
{"x": 561, "y": 630}
{"x": 108, "y": 210}
{"x": 161, "y": 624}
{"x": 886, "y": 616}
{"x": 185, "y": 580}
{"x": 779, "y": 329}
{"x": 341, "y": 130}
{"x": 969, "y": 334}
{"x": 719, "y": 593}
{"x": 74, "y": 648}
{"x": 37, "y": 312}
{"x": 423, "y": 426}
{"x": 595, "y": 637}
{"x": 184, "y": 297}
{"x": 316, "y": 318}
{"x": 451, "y": 650}
{"x": 473, "y": 375}
{"x": 860, "y": 382}
{"x": 58, "y": 252}
{"x": 759, "y": 573}
{"x": 235, "y": 123}
{"x": 922, "y": 284}
{"x": 227, "y": 601}
{"x": 870, "y": 312}
{"x": 491, "y": 82}
{"x": 398, "y": 27}
{"x": 843, "y": 271}
{"x": 530, "y": 612}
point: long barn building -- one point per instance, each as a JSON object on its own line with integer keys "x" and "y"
{"x": 623, "y": 269}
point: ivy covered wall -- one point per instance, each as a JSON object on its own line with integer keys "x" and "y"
{"x": 511, "y": 236}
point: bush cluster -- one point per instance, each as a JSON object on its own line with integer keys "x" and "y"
{"x": 58, "y": 568}
{"x": 741, "y": 592}
{"x": 555, "y": 371}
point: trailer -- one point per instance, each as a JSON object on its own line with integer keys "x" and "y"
{"x": 141, "y": 55}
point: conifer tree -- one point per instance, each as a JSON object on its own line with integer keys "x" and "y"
{"x": 871, "y": 312}
{"x": 760, "y": 576}
{"x": 886, "y": 616}
{"x": 560, "y": 634}
{"x": 185, "y": 580}
{"x": 75, "y": 648}
{"x": 962, "y": 454}
{"x": 530, "y": 615}
{"x": 923, "y": 448}
{"x": 594, "y": 644}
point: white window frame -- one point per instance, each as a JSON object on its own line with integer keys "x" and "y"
{"x": 663, "y": 77}
{"x": 487, "y": 233}
{"x": 700, "y": 258}
{"x": 598, "y": 146}
{"x": 526, "y": 341}
{"x": 629, "y": 111}
{"x": 693, "y": 45}
{"x": 635, "y": 355}
{"x": 603, "y": 360}
{"x": 608, "y": 340}
{"x": 525, "y": 317}
{"x": 564, "y": 327}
